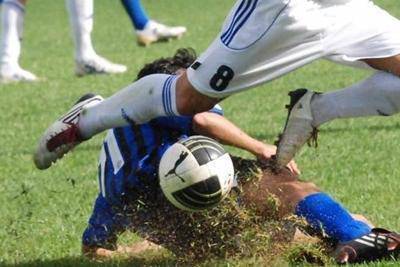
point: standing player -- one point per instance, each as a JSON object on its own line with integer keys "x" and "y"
{"x": 128, "y": 173}
{"x": 12, "y": 20}
{"x": 81, "y": 17}
{"x": 149, "y": 31}
{"x": 260, "y": 41}
{"x": 87, "y": 61}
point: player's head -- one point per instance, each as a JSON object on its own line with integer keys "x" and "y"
{"x": 183, "y": 58}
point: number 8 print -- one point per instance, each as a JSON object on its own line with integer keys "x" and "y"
{"x": 221, "y": 79}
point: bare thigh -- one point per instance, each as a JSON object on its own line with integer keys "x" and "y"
{"x": 389, "y": 64}
{"x": 189, "y": 101}
{"x": 284, "y": 187}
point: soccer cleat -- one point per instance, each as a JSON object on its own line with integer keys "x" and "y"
{"x": 63, "y": 135}
{"x": 97, "y": 65}
{"x": 378, "y": 244}
{"x": 298, "y": 128}
{"x": 15, "y": 73}
{"x": 154, "y": 32}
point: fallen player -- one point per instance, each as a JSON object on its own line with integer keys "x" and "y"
{"x": 130, "y": 197}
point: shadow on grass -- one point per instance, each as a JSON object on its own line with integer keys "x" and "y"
{"x": 81, "y": 261}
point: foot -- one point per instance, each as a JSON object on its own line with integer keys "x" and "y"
{"x": 63, "y": 135}
{"x": 298, "y": 128}
{"x": 15, "y": 73}
{"x": 379, "y": 244}
{"x": 97, "y": 65}
{"x": 135, "y": 250}
{"x": 154, "y": 32}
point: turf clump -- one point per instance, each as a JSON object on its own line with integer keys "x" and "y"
{"x": 231, "y": 230}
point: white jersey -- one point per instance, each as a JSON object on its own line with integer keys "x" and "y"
{"x": 262, "y": 40}
{"x": 332, "y": 2}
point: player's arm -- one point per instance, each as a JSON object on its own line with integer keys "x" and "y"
{"x": 99, "y": 240}
{"x": 100, "y": 237}
{"x": 218, "y": 127}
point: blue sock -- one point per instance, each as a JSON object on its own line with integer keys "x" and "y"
{"x": 324, "y": 213}
{"x": 136, "y": 13}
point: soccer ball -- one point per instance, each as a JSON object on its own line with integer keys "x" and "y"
{"x": 196, "y": 173}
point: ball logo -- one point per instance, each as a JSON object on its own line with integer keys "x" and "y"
{"x": 181, "y": 158}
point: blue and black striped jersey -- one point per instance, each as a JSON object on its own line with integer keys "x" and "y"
{"x": 128, "y": 163}
{"x": 130, "y": 155}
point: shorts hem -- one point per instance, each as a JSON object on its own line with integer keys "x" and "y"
{"x": 197, "y": 85}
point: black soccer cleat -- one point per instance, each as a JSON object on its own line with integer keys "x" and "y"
{"x": 378, "y": 244}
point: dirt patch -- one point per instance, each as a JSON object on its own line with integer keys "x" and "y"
{"x": 234, "y": 229}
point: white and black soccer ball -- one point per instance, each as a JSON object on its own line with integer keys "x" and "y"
{"x": 196, "y": 173}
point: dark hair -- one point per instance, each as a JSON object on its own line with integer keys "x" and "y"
{"x": 183, "y": 58}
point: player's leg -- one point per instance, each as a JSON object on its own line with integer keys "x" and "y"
{"x": 150, "y": 97}
{"x": 136, "y": 13}
{"x": 86, "y": 59}
{"x": 99, "y": 240}
{"x": 103, "y": 228}
{"x": 12, "y": 20}
{"x": 376, "y": 45}
{"x": 234, "y": 62}
{"x": 356, "y": 240}
{"x": 306, "y": 200}
{"x": 378, "y": 95}
{"x": 149, "y": 31}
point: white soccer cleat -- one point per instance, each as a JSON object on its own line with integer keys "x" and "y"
{"x": 154, "y": 32}
{"x": 97, "y": 65}
{"x": 10, "y": 74}
{"x": 298, "y": 128}
{"x": 63, "y": 135}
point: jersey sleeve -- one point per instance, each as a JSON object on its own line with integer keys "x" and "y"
{"x": 105, "y": 224}
{"x": 217, "y": 109}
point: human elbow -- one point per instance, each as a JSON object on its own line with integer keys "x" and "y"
{"x": 200, "y": 123}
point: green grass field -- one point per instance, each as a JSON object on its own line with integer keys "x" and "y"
{"x": 43, "y": 213}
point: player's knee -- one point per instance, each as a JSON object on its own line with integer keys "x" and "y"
{"x": 189, "y": 101}
{"x": 390, "y": 64}
{"x": 300, "y": 190}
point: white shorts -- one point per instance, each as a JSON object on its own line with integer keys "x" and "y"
{"x": 262, "y": 40}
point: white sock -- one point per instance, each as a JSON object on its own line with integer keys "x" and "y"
{"x": 81, "y": 19}
{"x": 150, "y": 97}
{"x": 12, "y": 18}
{"x": 377, "y": 95}
{"x": 20, "y": 26}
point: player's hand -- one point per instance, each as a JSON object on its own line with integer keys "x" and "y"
{"x": 293, "y": 167}
{"x": 266, "y": 151}
{"x": 97, "y": 253}
{"x": 136, "y": 249}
